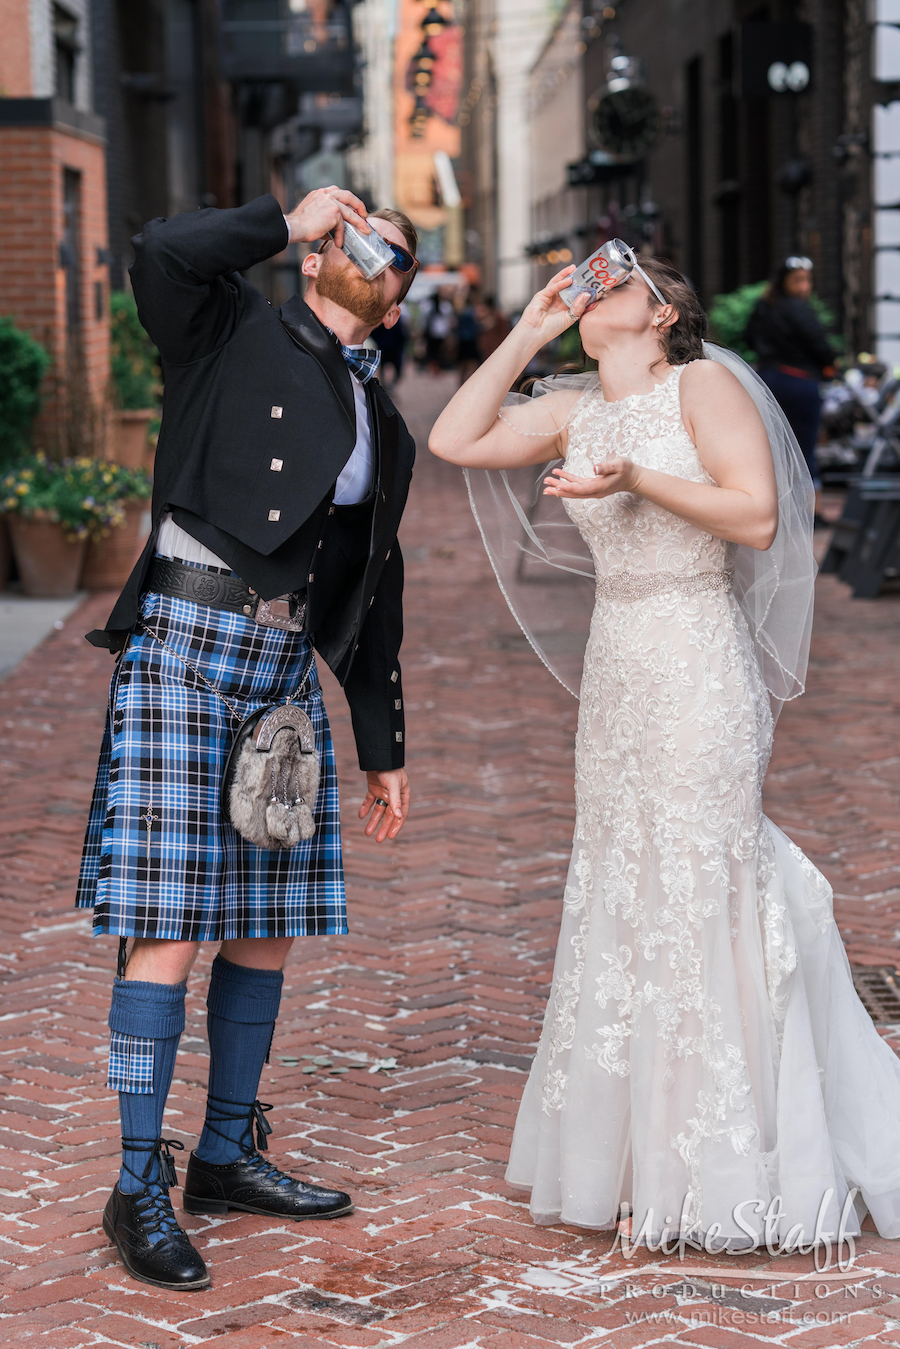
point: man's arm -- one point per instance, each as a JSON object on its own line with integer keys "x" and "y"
{"x": 374, "y": 688}
{"x": 181, "y": 269}
{"x": 181, "y": 274}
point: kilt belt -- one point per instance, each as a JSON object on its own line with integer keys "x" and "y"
{"x": 222, "y": 590}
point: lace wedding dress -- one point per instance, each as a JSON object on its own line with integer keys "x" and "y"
{"x": 703, "y": 1050}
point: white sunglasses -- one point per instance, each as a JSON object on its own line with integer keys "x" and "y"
{"x": 656, "y": 291}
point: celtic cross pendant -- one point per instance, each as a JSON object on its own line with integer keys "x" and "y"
{"x": 149, "y": 819}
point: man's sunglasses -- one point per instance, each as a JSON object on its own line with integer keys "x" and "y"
{"x": 404, "y": 262}
{"x": 798, "y": 264}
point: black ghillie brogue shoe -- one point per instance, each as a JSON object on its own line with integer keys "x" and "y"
{"x": 143, "y": 1227}
{"x": 251, "y": 1184}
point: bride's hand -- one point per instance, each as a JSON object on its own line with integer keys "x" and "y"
{"x": 546, "y": 312}
{"x": 610, "y": 475}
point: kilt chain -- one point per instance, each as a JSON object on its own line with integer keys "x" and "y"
{"x": 210, "y": 685}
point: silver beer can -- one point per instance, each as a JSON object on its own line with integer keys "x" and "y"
{"x": 609, "y": 266}
{"x": 368, "y": 252}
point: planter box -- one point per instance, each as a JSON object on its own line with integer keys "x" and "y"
{"x": 49, "y": 564}
{"x": 108, "y": 562}
{"x": 129, "y": 442}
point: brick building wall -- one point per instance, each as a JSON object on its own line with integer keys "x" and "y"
{"x": 739, "y": 181}
{"x": 15, "y": 50}
{"x": 34, "y": 282}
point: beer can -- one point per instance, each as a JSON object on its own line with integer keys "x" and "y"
{"x": 609, "y": 266}
{"x": 368, "y": 252}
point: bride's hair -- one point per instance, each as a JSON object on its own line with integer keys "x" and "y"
{"x": 681, "y": 341}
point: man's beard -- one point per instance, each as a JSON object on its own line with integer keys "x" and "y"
{"x": 345, "y": 287}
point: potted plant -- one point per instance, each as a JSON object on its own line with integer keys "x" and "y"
{"x": 112, "y": 552}
{"x": 23, "y": 363}
{"x": 136, "y": 382}
{"x": 52, "y": 512}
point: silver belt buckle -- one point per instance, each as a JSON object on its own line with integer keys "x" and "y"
{"x": 285, "y": 612}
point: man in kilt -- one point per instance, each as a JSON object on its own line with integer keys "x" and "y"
{"x": 281, "y": 475}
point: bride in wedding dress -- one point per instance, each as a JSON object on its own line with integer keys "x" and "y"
{"x": 704, "y": 1060}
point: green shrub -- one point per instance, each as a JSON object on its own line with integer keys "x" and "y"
{"x": 23, "y": 362}
{"x": 134, "y": 360}
{"x": 729, "y": 315}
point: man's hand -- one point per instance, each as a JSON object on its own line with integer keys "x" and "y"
{"x": 391, "y": 786}
{"x": 325, "y": 210}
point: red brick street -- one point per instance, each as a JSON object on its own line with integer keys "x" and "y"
{"x": 401, "y": 1050}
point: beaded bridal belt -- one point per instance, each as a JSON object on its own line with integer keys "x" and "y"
{"x": 635, "y": 585}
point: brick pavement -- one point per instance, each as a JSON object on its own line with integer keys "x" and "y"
{"x": 445, "y": 975}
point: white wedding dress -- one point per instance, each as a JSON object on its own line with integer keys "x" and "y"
{"x": 703, "y": 1049}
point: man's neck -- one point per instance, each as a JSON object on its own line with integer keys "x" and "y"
{"x": 347, "y": 328}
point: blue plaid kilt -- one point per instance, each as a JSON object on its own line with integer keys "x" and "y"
{"x": 164, "y": 749}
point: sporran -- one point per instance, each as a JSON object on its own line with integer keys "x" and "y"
{"x": 271, "y": 776}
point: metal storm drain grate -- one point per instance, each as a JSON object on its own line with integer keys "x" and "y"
{"x": 879, "y": 992}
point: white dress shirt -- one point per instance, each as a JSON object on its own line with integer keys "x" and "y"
{"x": 353, "y": 485}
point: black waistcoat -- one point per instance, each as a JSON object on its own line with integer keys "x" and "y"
{"x": 258, "y": 422}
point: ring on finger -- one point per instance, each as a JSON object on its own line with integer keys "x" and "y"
{"x": 380, "y": 801}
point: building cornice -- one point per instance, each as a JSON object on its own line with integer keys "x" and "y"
{"x": 55, "y": 113}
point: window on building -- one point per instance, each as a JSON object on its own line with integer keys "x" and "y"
{"x": 65, "y": 36}
{"x": 70, "y": 249}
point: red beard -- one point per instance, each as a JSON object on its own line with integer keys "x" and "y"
{"x": 345, "y": 287}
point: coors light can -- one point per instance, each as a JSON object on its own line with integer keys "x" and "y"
{"x": 612, "y": 264}
{"x": 368, "y": 252}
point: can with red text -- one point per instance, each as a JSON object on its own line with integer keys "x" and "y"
{"x": 609, "y": 266}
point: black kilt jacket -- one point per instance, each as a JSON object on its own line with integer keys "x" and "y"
{"x": 258, "y": 421}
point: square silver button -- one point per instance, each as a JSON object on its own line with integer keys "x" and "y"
{"x": 395, "y": 676}
{"x": 274, "y": 516}
{"x": 398, "y": 703}
{"x": 398, "y": 735}
{"x": 276, "y": 465}
{"x": 277, "y": 412}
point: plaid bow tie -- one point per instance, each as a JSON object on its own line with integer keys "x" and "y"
{"x": 363, "y": 361}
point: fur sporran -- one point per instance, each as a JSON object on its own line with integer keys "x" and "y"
{"x": 271, "y": 778}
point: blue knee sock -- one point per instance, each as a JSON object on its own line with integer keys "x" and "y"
{"x": 243, "y": 1008}
{"x": 146, "y": 1021}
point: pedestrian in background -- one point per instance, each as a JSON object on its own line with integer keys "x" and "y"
{"x": 440, "y": 319}
{"x": 468, "y": 354}
{"x": 493, "y": 326}
{"x": 392, "y": 345}
{"x": 793, "y": 352}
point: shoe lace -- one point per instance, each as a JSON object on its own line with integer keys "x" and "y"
{"x": 219, "y": 1111}
{"x": 265, "y": 1170}
{"x": 153, "y": 1206}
